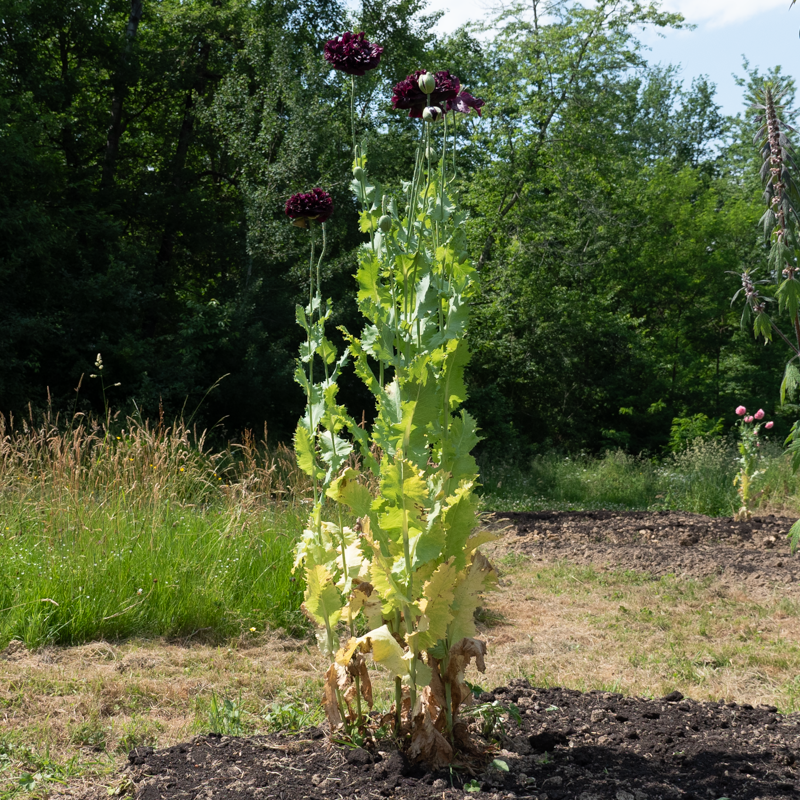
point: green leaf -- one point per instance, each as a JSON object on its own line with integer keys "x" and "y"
{"x": 790, "y": 382}
{"x": 499, "y": 764}
{"x": 794, "y": 536}
{"x": 306, "y": 453}
{"x": 347, "y": 490}
{"x": 762, "y": 326}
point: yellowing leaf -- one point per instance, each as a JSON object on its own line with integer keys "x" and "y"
{"x": 386, "y": 651}
{"x": 306, "y": 453}
{"x": 459, "y": 522}
{"x": 346, "y": 489}
{"x": 437, "y": 596}
{"x": 466, "y": 597}
{"x": 322, "y": 599}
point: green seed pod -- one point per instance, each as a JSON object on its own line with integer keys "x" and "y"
{"x": 385, "y": 223}
{"x": 427, "y": 83}
{"x": 359, "y": 174}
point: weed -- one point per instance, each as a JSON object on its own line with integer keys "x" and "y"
{"x": 290, "y": 716}
{"x": 225, "y": 715}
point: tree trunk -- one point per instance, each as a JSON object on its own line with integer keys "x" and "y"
{"x": 118, "y": 98}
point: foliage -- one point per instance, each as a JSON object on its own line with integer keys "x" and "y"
{"x": 146, "y": 161}
{"x": 411, "y": 564}
{"x": 685, "y": 430}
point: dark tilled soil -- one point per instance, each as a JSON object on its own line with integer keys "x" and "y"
{"x": 667, "y": 542}
{"x": 594, "y": 746}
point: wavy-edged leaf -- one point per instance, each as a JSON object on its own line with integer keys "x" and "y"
{"x": 306, "y": 453}
{"x": 477, "y": 578}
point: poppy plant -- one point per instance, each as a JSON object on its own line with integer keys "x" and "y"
{"x": 407, "y": 95}
{"x": 465, "y": 102}
{"x": 352, "y": 53}
{"x": 303, "y": 206}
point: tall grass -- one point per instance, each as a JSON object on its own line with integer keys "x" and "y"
{"x": 699, "y": 479}
{"x": 112, "y": 528}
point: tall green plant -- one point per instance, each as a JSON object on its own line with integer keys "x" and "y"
{"x": 411, "y": 565}
{"x": 781, "y": 222}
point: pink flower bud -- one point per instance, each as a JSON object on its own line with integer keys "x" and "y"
{"x": 748, "y": 419}
{"x": 741, "y": 410}
{"x": 760, "y": 413}
{"x": 769, "y": 425}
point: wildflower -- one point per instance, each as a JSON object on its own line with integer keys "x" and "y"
{"x": 465, "y": 102}
{"x": 748, "y": 419}
{"x": 252, "y": 630}
{"x": 759, "y": 414}
{"x": 408, "y": 95}
{"x": 303, "y": 206}
{"x": 769, "y": 425}
{"x": 352, "y": 53}
{"x": 182, "y": 469}
{"x": 741, "y": 410}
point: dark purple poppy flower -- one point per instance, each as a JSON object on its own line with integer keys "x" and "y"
{"x": 352, "y": 53}
{"x": 303, "y": 206}
{"x": 465, "y": 102}
{"x": 408, "y": 95}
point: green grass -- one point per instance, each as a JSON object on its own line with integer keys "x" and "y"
{"x": 141, "y": 532}
{"x": 98, "y": 572}
{"x": 698, "y": 480}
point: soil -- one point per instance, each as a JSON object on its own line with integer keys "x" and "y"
{"x": 750, "y": 552}
{"x": 566, "y": 745}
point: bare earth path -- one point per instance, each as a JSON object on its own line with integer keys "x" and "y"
{"x": 632, "y": 611}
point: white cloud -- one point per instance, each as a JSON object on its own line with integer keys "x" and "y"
{"x": 717, "y": 13}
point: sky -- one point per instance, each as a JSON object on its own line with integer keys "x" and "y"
{"x": 765, "y": 32}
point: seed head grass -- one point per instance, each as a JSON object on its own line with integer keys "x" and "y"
{"x": 112, "y": 529}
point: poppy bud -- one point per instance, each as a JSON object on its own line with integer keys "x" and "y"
{"x": 432, "y": 113}
{"x": 385, "y": 223}
{"x": 427, "y": 83}
{"x": 359, "y": 174}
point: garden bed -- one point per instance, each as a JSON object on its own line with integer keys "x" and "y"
{"x": 755, "y": 551}
{"x": 569, "y": 744}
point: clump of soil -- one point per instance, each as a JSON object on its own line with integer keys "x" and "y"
{"x": 754, "y": 552}
{"x": 586, "y": 746}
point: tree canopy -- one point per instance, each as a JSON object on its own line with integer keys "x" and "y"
{"x": 147, "y": 148}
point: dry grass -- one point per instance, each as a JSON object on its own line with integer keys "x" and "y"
{"x": 149, "y": 463}
{"x": 83, "y": 708}
{"x": 587, "y": 629}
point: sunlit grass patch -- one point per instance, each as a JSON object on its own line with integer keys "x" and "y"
{"x": 698, "y": 479}
{"x": 586, "y": 628}
{"x": 114, "y": 530}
